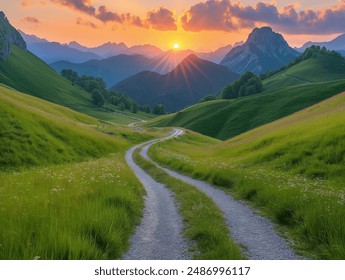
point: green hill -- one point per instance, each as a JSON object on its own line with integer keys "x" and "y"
{"x": 64, "y": 181}
{"x": 321, "y": 68}
{"x": 292, "y": 169}
{"x": 223, "y": 119}
{"x": 27, "y": 73}
{"x": 34, "y": 132}
{"x": 303, "y": 84}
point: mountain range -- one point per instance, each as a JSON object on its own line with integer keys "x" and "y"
{"x": 74, "y": 52}
{"x": 191, "y": 80}
{"x": 113, "y": 69}
{"x": 264, "y": 50}
{"x": 116, "y": 68}
{"x": 337, "y": 44}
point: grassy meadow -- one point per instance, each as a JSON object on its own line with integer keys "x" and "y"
{"x": 65, "y": 189}
{"x": 291, "y": 169}
{"x": 84, "y": 210}
{"x": 204, "y": 223}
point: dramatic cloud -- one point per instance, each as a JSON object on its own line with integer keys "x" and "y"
{"x": 105, "y": 15}
{"x": 211, "y": 15}
{"x": 30, "y": 20}
{"x": 161, "y": 19}
{"x": 81, "y": 5}
{"x": 228, "y": 16}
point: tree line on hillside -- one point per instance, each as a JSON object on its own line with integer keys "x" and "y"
{"x": 311, "y": 52}
{"x": 101, "y": 97}
{"x": 247, "y": 84}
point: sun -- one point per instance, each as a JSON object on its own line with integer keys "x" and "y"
{"x": 176, "y": 46}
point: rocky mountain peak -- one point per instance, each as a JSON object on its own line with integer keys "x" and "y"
{"x": 8, "y": 36}
{"x": 265, "y": 39}
{"x": 264, "y": 50}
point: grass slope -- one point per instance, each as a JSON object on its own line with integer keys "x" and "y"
{"x": 27, "y": 73}
{"x": 65, "y": 189}
{"x": 292, "y": 169}
{"x": 314, "y": 70}
{"x": 223, "y": 119}
{"x": 34, "y": 132}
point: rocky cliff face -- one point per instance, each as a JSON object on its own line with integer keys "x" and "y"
{"x": 8, "y": 36}
{"x": 264, "y": 50}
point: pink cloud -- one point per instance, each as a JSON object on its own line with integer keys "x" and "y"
{"x": 226, "y": 15}
{"x": 161, "y": 19}
{"x": 31, "y": 20}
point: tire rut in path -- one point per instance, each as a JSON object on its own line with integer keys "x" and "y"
{"x": 159, "y": 235}
{"x": 253, "y": 231}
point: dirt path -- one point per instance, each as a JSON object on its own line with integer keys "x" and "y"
{"x": 254, "y": 232}
{"x": 159, "y": 236}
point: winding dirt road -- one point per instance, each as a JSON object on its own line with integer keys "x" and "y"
{"x": 161, "y": 226}
{"x": 159, "y": 236}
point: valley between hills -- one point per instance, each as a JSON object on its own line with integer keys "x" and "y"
{"x": 136, "y": 153}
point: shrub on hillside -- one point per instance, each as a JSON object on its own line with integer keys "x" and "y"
{"x": 247, "y": 84}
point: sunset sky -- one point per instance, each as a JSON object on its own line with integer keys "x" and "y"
{"x": 194, "y": 24}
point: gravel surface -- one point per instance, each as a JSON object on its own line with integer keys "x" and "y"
{"x": 253, "y": 231}
{"x": 159, "y": 236}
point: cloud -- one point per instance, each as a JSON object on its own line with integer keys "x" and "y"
{"x": 225, "y": 15}
{"x": 80, "y": 5}
{"x": 81, "y": 21}
{"x": 30, "y": 20}
{"x": 27, "y": 3}
{"x": 105, "y": 15}
{"x": 210, "y": 15}
{"x": 162, "y": 19}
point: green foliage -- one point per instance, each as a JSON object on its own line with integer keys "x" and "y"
{"x": 145, "y": 108}
{"x": 209, "y": 97}
{"x": 247, "y": 84}
{"x": 99, "y": 94}
{"x": 158, "y": 109}
{"x": 97, "y": 97}
{"x": 134, "y": 108}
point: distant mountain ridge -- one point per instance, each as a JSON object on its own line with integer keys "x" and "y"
{"x": 9, "y": 36}
{"x": 264, "y": 50}
{"x": 191, "y": 80}
{"x": 51, "y": 52}
{"x": 337, "y": 44}
{"x": 112, "y": 49}
{"x": 112, "y": 70}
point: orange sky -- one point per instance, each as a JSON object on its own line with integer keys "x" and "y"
{"x": 129, "y": 22}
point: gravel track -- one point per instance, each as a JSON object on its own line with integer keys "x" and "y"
{"x": 159, "y": 236}
{"x": 253, "y": 231}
